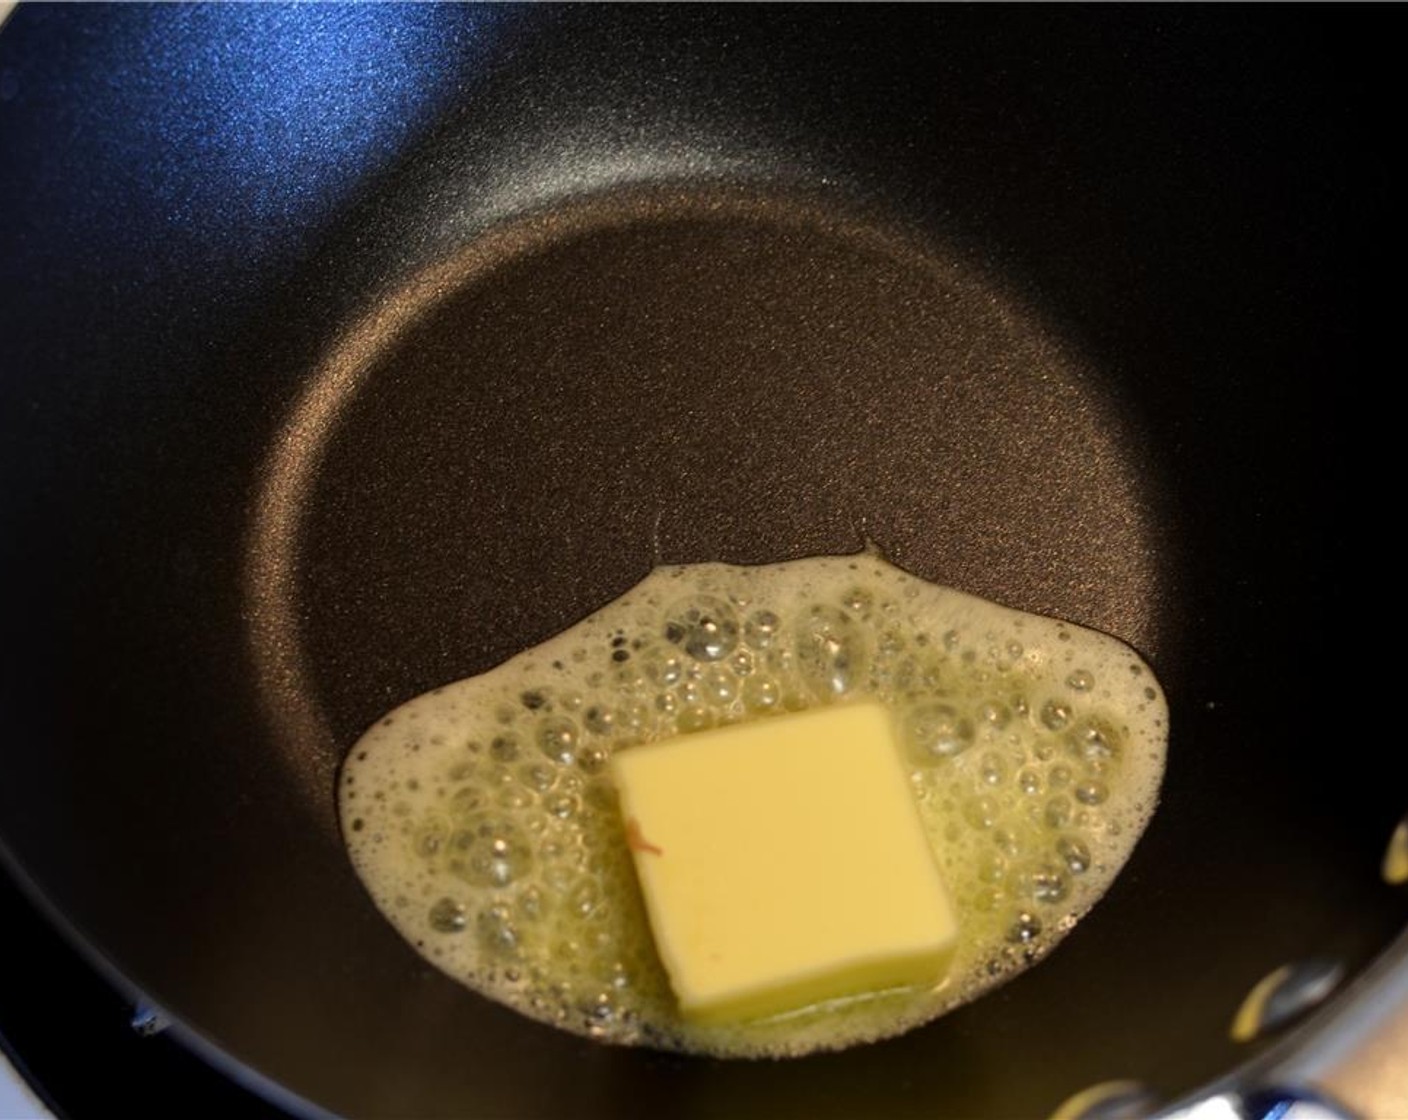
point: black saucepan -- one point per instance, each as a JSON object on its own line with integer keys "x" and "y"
{"x": 345, "y": 351}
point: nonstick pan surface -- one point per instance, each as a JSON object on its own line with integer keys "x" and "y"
{"x": 347, "y": 351}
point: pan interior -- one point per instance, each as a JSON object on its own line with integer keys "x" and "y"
{"x": 517, "y": 435}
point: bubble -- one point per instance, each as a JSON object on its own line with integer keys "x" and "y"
{"x": 994, "y": 714}
{"x": 466, "y": 801}
{"x": 936, "y": 731}
{"x": 593, "y": 759}
{"x": 1055, "y": 715}
{"x": 631, "y": 680}
{"x": 489, "y": 852}
{"x": 514, "y": 797}
{"x": 1095, "y": 742}
{"x": 496, "y": 932}
{"x": 858, "y": 601}
{"x": 742, "y": 663}
{"x": 696, "y": 718}
{"x": 1006, "y": 842}
{"x": 1092, "y": 793}
{"x": 706, "y": 628}
{"x": 448, "y": 916}
{"x": 1058, "y": 812}
{"x": 718, "y": 686}
{"x": 1060, "y": 777}
{"x": 891, "y": 642}
{"x": 761, "y": 694}
{"x": 992, "y": 867}
{"x": 926, "y": 677}
{"x": 538, "y": 777}
{"x": 761, "y": 629}
{"x": 635, "y": 721}
{"x": 563, "y": 806}
{"x": 1074, "y": 854}
{"x": 599, "y": 720}
{"x": 667, "y": 671}
{"x": 1081, "y": 680}
{"x": 430, "y": 839}
{"x": 557, "y": 876}
{"x": 1025, "y": 929}
{"x": 600, "y": 1014}
{"x": 1046, "y": 884}
{"x": 1029, "y": 781}
{"x": 992, "y": 770}
{"x": 832, "y": 650}
{"x": 980, "y": 812}
{"x": 557, "y": 739}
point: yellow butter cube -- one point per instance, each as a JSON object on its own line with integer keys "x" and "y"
{"x": 783, "y": 863}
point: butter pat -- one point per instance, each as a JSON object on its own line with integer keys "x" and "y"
{"x": 783, "y": 863}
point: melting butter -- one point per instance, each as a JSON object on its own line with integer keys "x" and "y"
{"x": 482, "y": 821}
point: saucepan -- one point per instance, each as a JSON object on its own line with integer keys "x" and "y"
{"x": 347, "y": 351}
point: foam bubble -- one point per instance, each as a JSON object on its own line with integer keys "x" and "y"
{"x": 481, "y": 820}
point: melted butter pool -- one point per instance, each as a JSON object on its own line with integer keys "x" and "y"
{"x": 480, "y": 818}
